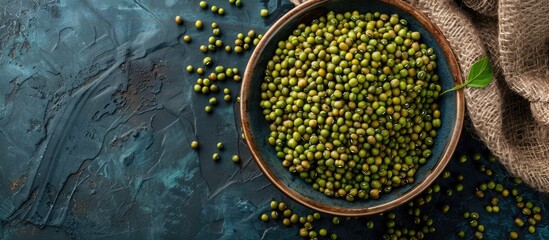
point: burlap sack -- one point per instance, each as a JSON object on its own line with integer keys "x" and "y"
{"x": 511, "y": 115}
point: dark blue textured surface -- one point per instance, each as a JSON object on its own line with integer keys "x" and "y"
{"x": 96, "y": 117}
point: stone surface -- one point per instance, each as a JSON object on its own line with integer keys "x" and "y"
{"x": 97, "y": 113}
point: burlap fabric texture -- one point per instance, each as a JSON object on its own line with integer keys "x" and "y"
{"x": 511, "y": 115}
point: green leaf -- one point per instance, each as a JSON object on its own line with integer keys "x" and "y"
{"x": 480, "y": 75}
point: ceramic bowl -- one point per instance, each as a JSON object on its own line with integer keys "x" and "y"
{"x": 256, "y": 129}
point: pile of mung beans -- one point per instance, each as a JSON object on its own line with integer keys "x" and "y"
{"x": 351, "y": 99}
{"x": 448, "y": 198}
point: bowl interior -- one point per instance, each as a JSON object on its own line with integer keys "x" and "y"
{"x": 257, "y": 130}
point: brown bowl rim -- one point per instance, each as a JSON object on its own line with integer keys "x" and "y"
{"x": 415, "y": 190}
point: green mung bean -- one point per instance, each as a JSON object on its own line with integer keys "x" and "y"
{"x": 187, "y": 38}
{"x": 198, "y": 24}
{"x": 264, "y": 12}
{"x": 178, "y": 20}
{"x": 194, "y": 145}
{"x": 203, "y": 4}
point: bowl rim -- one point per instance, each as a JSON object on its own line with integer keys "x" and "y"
{"x": 408, "y": 195}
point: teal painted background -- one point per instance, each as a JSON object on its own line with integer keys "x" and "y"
{"x": 97, "y": 113}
